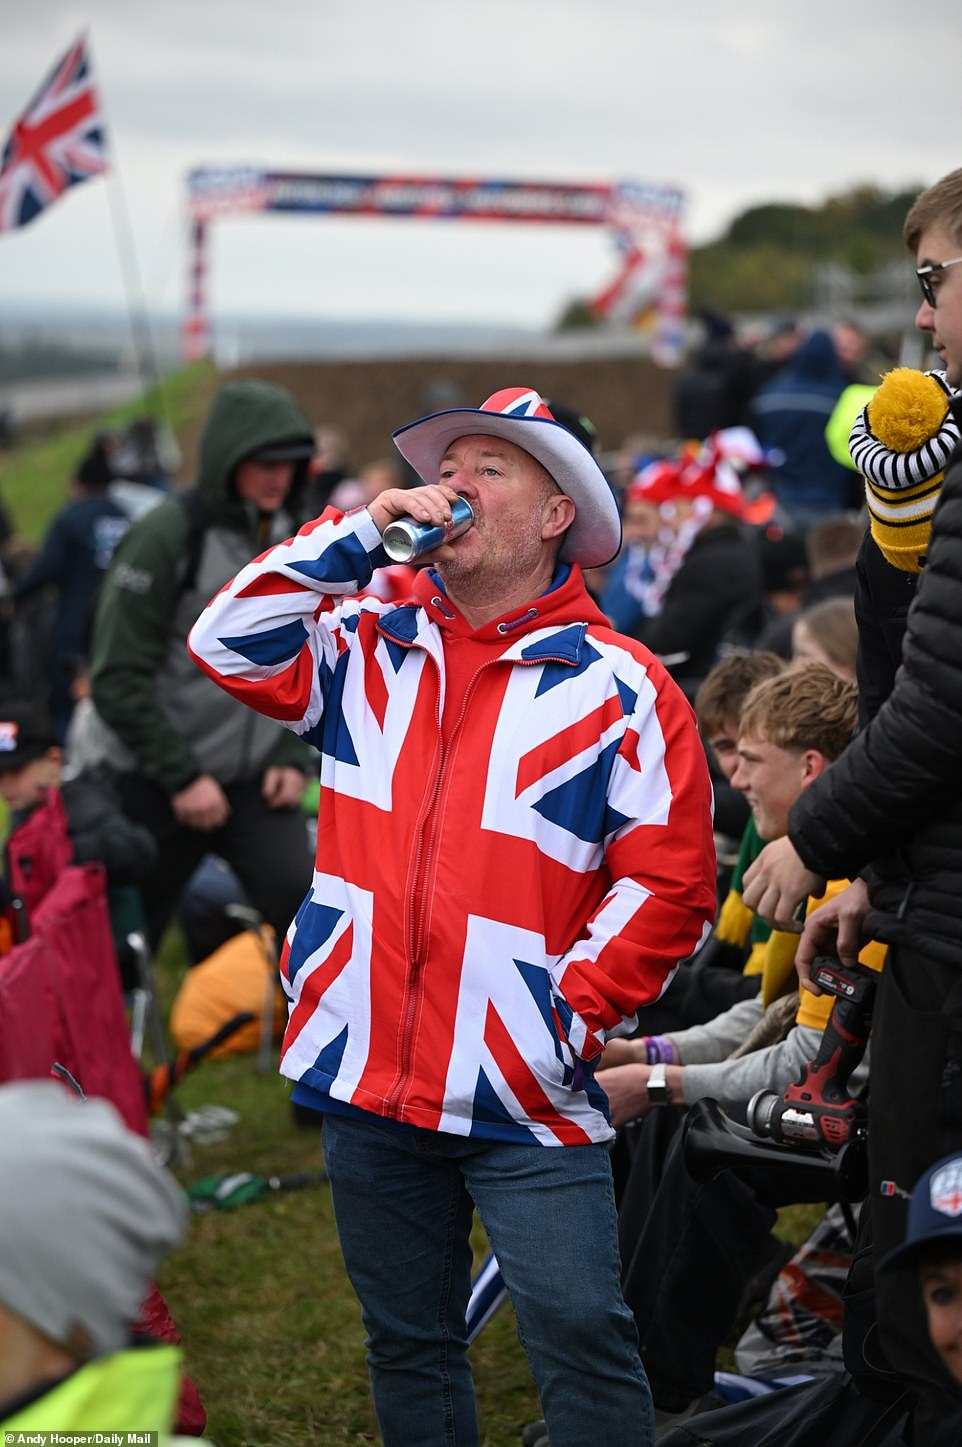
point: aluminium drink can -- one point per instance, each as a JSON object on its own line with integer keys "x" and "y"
{"x": 406, "y": 539}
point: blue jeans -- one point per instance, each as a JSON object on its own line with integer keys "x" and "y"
{"x": 403, "y": 1202}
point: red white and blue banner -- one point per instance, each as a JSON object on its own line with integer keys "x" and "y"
{"x": 228, "y": 190}
{"x": 645, "y": 219}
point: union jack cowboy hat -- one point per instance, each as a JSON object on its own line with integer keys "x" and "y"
{"x": 519, "y": 415}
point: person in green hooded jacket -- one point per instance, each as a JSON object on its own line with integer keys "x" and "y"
{"x": 204, "y": 773}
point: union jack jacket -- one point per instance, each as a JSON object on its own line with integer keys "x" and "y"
{"x": 495, "y": 893}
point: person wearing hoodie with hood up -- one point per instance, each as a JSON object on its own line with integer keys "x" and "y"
{"x": 789, "y": 415}
{"x": 200, "y": 770}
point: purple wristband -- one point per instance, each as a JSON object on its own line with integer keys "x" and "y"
{"x": 660, "y": 1050}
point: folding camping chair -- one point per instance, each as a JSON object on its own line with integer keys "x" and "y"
{"x": 252, "y": 920}
{"x": 145, "y": 1015}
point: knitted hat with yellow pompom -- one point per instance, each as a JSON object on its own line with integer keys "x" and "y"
{"x": 900, "y": 443}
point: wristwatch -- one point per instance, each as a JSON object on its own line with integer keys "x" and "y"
{"x": 659, "y": 1091}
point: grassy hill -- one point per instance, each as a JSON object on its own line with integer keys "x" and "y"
{"x": 34, "y": 477}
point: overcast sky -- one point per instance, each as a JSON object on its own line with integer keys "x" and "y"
{"x": 737, "y": 103}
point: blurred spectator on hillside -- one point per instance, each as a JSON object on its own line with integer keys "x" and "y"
{"x": 577, "y": 423}
{"x": 626, "y": 594}
{"x": 144, "y": 456}
{"x": 862, "y": 380}
{"x": 718, "y": 579}
{"x": 789, "y": 414}
{"x": 201, "y": 771}
{"x": 73, "y": 559}
{"x": 374, "y": 478}
{"x": 769, "y": 347}
{"x": 786, "y": 571}
{"x": 439, "y": 394}
{"x": 147, "y": 452}
{"x": 328, "y": 468}
{"x": 828, "y": 633}
{"x": 779, "y": 344}
{"x": 632, "y": 454}
{"x": 713, "y": 390}
{"x": 783, "y": 566}
{"x": 831, "y": 548}
{"x": 851, "y": 347}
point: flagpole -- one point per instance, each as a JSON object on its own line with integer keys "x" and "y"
{"x": 141, "y": 336}
{"x": 145, "y": 356}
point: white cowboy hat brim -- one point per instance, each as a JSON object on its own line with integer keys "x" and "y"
{"x": 594, "y": 537}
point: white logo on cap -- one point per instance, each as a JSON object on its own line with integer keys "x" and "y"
{"x": 945, "y": 1189}
{"x": 9, "y": 729}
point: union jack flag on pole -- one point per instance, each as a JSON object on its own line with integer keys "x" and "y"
{"x": 57, "y": 142}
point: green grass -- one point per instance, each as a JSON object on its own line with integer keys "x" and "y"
{"x": 35, "y": 476}
{"x": 272, "y": 1330}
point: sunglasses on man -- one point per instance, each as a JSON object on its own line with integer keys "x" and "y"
{"x": 925, "y": 274}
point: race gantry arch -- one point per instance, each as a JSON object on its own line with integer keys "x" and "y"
{"x": 645, "y": 221}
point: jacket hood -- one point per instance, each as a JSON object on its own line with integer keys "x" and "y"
{"x": 246, "y": 417}
{"x": 816, "y": 360}
{"x": 566, "y": 601}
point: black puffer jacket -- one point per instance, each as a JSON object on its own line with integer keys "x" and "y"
{"x": 894, "y": 798}
{"x": 883, "y": 597}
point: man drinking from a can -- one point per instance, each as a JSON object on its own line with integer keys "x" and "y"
{"x": 514, "y": 851}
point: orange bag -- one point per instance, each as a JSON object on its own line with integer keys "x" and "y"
{"x": 236, "y": 977}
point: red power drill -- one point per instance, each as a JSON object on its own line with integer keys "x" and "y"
{"x": 818, "y": 1111}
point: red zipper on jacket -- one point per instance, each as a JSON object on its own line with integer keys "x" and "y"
{"x": 417, "y": 916}
{"x": 416, "y": 926}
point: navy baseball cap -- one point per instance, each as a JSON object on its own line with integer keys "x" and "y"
{"x": 935, "y": 1211}
{"x": 25, "y": 734}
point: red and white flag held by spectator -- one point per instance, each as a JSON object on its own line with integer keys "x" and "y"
{"x": 57, "y": 142}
